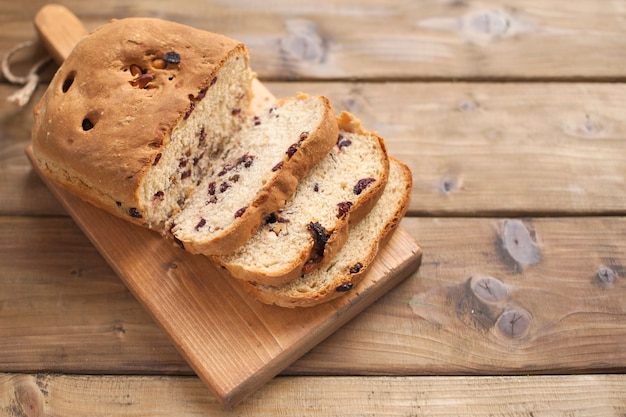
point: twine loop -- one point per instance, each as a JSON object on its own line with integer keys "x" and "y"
{"x": 29, "y": 81}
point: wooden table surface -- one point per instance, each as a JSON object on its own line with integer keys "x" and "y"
{"x": 512, "y": 117}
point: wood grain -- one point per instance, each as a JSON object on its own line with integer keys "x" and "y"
{"x": 573, "y": 293}
{"x": 473, "y": 148}
{"x": 74, "y": 396}
{"x": 348, "y": 39}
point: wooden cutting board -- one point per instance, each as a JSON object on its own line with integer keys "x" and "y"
{"x": 234, "y": 343}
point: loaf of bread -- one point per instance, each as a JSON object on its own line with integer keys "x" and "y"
{"x": 349, "y": 265}
{"x": 307, "y": 232}
{"x": 130, "y": 118}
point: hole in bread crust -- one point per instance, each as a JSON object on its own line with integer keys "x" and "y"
{"x": 87, "y": 124}
{"x": 69, "y": 80}
{"x": 90, "y": 120}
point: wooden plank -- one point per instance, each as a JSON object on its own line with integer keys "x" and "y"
{"x": 489, "y": 149}
{"x": 432, "y": 39}
{"x": 73, "y": 396}
{"x": 474, "y": 148}
{"x": 59, "y": 298}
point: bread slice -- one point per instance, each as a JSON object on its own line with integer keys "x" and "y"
{"x": 130, "y": 118}
{"x": 351, "y": 263}
{"x": 306, "y": 233}
{"x": 254, "y": 173}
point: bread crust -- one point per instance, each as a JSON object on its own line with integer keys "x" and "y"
{"x": 97, "y": 130}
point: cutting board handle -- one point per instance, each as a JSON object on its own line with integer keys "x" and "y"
{"x": 59, "y": 30}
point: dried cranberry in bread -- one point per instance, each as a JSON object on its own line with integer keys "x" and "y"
{"x": 352, "y": 262}
{"x": 253, "y": 174}
{"x": 307, "y": 232}
{"x": 132, "y": 116}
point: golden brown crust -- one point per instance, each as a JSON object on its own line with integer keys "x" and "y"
{"x": 101, "y": 122}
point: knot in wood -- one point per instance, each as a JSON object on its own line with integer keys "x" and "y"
{"x": 28, "y": 401}
{"x": 302, "y": 41}
{"x": 606, "y": 276}
{"x": 519, "y": 243}
{"x": 489, "y": 23}
{"x": 489, "y": 289}
{"x": 514, "y": 322}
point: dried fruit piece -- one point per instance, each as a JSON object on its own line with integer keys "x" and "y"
{"x": 277, "y": 166}
{"x": 344, "y": 287}
{"x": 135, "y": 70}
{"x": 275, "y": 218}
{"x": 202, "y": 137}
{"x": 142, "y": 80}
{"x": 172, "y": 57}
{"x": 159, "y": 63}
{"x": 224, "y": 186}
{"x": 192, "y": 106}
{"x": 240, "y": 212}
{"x": 246, "y": 160}
{"x": 343, "y": 143}
{"x": 157, "y": 158}
{"x": 202, "y": 94}
{"x": 133, "y": 212}
{"x": 200, "y": 224}
{"x": 362, "y": 184}
{"x": 319, "y": 238}
{"x": 292, "y": 150}
{"x": 356, "y": 268}
{"x": 343, "y": 208}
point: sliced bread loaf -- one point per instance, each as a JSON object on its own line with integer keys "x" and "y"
{"x": 131, "y": 116}
{"x": 254, "y": 173}
{"x": 313, "y": 225}
{"x": 346, "y": 270}
{"x": 164, "y": 110}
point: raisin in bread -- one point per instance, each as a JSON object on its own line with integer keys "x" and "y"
{"x": 306, "y": 233}
{"x": 352, "y": 262}
{"x": 132, "y": 116}
{"x": 254, "y": 174}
